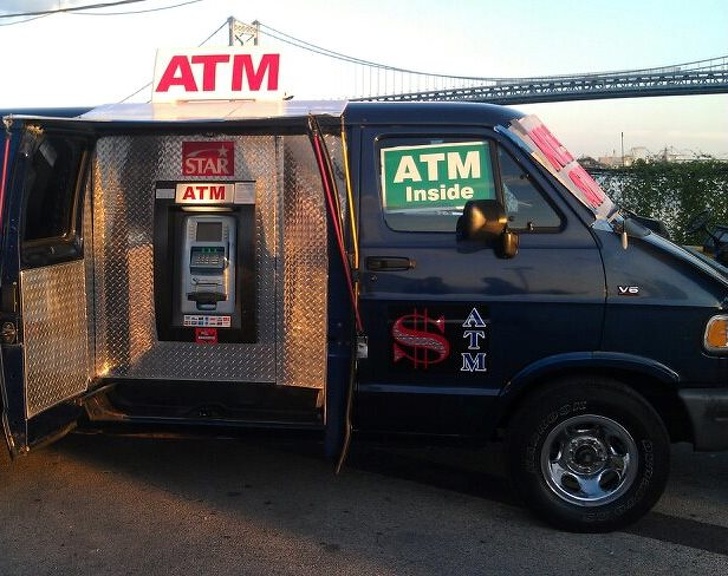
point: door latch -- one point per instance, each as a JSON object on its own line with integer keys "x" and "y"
{"x": 8, "y": 333}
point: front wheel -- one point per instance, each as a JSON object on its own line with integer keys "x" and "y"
{"x": 588, "y": 455}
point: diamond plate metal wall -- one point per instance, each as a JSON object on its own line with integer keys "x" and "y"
{"x": 291, "y": 264}
{"x": 305, "y": 266}
{"x": 55, "y": 334}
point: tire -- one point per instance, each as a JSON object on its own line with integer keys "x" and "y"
{"x": 588, "y": 455}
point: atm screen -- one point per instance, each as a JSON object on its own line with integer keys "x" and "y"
{"x": 209, "y": 232}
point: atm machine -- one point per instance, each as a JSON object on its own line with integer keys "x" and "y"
{"x": 204, "y": 256}
{"x": 208, "y": 268}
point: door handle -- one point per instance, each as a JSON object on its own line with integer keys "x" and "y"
{"x": 389, "y": 263}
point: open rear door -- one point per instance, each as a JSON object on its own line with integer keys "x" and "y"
{"x": 343, "y": 308}
{"x": 43, "y": 305}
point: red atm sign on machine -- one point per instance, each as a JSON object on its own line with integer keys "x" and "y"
{"x": 227, "y": 73}
{"x": 207, "y": 193}
{"x": 204, "y": 193}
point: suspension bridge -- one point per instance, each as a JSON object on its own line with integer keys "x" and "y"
{"x": 360, "y": 79}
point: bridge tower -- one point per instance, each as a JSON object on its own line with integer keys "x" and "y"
{"x": 240, "y": 33}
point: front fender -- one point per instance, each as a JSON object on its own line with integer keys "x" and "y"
{"x": 601, "y": 363}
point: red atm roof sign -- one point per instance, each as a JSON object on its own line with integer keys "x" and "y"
{"x": 227, "y": 73}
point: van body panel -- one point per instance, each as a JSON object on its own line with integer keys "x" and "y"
{"x": 493, "y": 316}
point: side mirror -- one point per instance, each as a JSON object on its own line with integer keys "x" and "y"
{"x": 486, "y": 221}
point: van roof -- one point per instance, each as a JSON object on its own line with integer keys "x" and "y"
{"x": 450, "y": 112}
{"x": 365, "y": 113}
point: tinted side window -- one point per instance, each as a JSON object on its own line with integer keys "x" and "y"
{"x": 526, "y": 205}
{"x": 52, "y": 183}
{"x": 51, "y": 210}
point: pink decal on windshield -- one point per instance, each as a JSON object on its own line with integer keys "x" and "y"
{"x": 551, "y": 147}
{"x": 593, "y": 194}
{"x": 532, "y": 135}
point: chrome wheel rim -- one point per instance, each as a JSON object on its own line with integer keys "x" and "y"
{"x": 589, "y": 460}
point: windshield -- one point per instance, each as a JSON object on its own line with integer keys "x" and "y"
{"x": 534, "y": 137}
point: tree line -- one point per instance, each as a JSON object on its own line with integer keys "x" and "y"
{"x": 672, "y": 192}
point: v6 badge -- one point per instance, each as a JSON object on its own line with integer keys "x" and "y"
{"x": 628, "y": 290}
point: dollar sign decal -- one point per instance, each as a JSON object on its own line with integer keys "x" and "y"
{"x": 416, "y": 338}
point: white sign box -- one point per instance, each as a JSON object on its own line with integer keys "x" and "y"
{"x": 222, "y": 73}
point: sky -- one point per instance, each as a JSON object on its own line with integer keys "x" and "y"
{"x": 104, "y": 55}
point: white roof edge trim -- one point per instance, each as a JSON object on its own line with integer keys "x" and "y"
{"x": 219, "y": 111}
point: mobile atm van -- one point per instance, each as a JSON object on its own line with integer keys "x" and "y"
{"x": 434, "y": 269}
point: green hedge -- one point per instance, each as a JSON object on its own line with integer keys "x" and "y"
{"x": 673, "y": 192}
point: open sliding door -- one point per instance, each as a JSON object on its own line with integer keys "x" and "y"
{"x": 45, "y": 341}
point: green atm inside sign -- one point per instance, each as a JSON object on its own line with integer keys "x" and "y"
{"x": 436, "y": 175}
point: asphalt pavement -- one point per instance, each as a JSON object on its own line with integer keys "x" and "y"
{"x": 269, "y": 505}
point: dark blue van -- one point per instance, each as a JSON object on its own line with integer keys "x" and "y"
{"x": 436, "y": 269}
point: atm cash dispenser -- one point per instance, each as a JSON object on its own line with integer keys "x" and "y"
{"x": 204, "y": 263}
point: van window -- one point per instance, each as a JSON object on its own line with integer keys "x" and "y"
{"x": 51, "y": 207}
{"x": 526, "y": 205}
{"x": 426, "y": 183}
